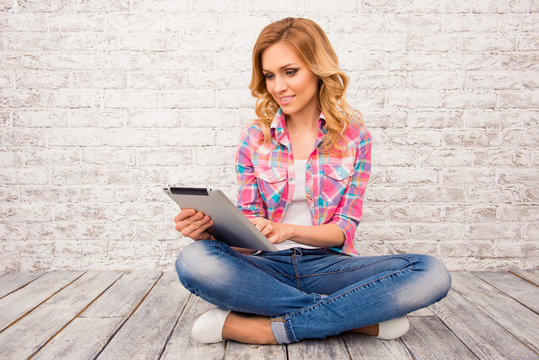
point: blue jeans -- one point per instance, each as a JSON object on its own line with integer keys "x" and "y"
{"x": 312, "y": 293}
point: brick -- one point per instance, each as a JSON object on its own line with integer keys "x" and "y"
{"x": 411, "y": 176}
{"x": 132, "y": 23}
{"x": 493, "y": 231}
{"x": 469, "y": 99}
{"x": 528, "y": 42}
{"x": 181, "y": 60}
{"x": 384, "y": 119}
{"x": 75, "y": 137}
{"x": 414, "y": 213}
{"x": 137, "y": 99}
{"x": 459, "y": 176}
{"x": 479, "y": 118}
{"x": 417, "y": 138}
{"x": 23, "y": 22}
{"x": 492, "y": 194}
{"x": 108, "y": 156}
{"x": 70, "y": 60}
{"x": 466, "y": 248}
{"x": 39, "y": 118}
{"x": 187, "y": 137}
{"x": 470, "y": 138}
{"x": 517, "y": 176}
{"x": 99, "y": 118}
{"x": 187, "y": 99}
{"x": 370, "y": 60}
{"x": 134, "y": 212}
{"x": 370, "y": 42}
{"x": 468, "y": 214}
{"x": 385, "y": 194}
{"x": 377, "y": 80}
{"x": 519, "y": 139}
{"x": 23, "y": 61}
{"x": 147, "y": 175}
{"x": 147, "y": 41}
{"x": 154, "y": 118}
{"x": 531, "y": 80}
{"x": 24, "y": 176}
{"x": 520, "y": 61}
{"x": 9, "y": 194}
{"x": 436, "y": 79}
{"x": 437, "y": 232}
{"x": 530, "y": 232}
{"x": 169, "y": 156}
{"x": 100, "y": 6}
{"x": 493, "y": 80}
{"x": 7, "y": 80}
{"x": 434, "y": 42}
{"x": 42, "y": 79}
{"x": 232, "y": 61}
{"x": 107, "y": 194}
{"x": 508, "y": 157}
{"x": 218, "y": 80}
{"x": 423, "y": 61}
{"x": 73, "y": 176}
{"x": 11, "y": 232}
{"x": 393, "y": 157}
{"x": 413, "y": 98}
{"x": 488, "y": 61}
{"x": 81, "y": 22}
{"x": 374, "y": 213}
{"x": 438, "y": 194}
{"x": 14, "y": 98}
{"x": 214, "y": 155}
{"x": 412, "y": 246}
{"x": 444, "y": 158}
{"x": 71, "y": 98}
{"x": 25, "y": 137}
{"x": 9, "y": 158}
{"x": 374, "y": 232}
{"x": 520, "y": 213}
{"x": 489, "y": 42}
{"x": 107, "y": 79}
{"x": 192, "y": 175}
{"x": 193, "y": 24}
{"x": 144, "y": 6}
{"x": 435, "y": 119}
{"x": 25, "y": 213}
{"x": 482, "y": 23}
{"x": 228, "y": 137}
{"x": 60, "y": 156}
{"x": 366, "y": 99}
{"x": 50, "y": 194}
{"x": 156, "y": 80}
{"x": 515, "y": 249}
{"x": 522, "y": 99}
{"x": 79, "y": 212}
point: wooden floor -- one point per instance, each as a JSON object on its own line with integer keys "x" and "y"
{"x": 148, "y": 315}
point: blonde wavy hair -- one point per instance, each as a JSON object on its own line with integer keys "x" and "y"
{"x": 315, "y": 50}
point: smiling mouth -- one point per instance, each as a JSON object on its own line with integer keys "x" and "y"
{"x": 285, "y": 100}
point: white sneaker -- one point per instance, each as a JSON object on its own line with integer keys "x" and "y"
{"x": 394, "y": 328}
{"x": 208, "y": 328}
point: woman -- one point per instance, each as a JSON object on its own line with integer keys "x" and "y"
{"x": 303, "y": 167}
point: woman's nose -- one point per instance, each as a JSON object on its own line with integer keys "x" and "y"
{"x": 280, "y": 84}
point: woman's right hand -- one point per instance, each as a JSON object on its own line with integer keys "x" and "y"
{"x": 193, "y": 224}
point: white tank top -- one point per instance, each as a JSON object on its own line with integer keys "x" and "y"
{"x": 298, "y": 212}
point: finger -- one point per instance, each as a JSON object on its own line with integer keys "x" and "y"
{"x": 185, "y": 213}
{"x": 190, "y": 228}
{"x": 201, "y": 232}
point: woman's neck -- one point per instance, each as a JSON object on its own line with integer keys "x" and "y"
{"x": 305, "y": 122}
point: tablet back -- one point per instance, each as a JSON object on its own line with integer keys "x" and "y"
{"x": 230, "y": 225}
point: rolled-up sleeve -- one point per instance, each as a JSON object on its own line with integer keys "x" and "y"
{"x": 350, "y": 208}
{"x": 249, "y": 200}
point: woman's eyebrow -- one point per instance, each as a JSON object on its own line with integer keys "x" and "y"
{"x": 282, "y": 67}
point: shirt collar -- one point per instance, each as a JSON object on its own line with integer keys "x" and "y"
{"x": 279, "y": 132}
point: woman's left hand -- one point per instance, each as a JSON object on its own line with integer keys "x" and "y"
{"x": 274, "y": 232}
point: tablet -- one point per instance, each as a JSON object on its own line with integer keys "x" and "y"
{"x": 230, "y": 225}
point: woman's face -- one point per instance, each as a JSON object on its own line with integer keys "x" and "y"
{"x": 293, "y": 86}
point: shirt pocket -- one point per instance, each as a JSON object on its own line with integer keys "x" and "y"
{"x": 334, "y": 182}
{"x": 271, "y": 184}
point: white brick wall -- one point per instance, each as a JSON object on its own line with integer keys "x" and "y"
{"x": 102, "y": 102}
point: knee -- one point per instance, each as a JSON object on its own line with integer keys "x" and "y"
{"x": 437, "y": 276}
{"x": 190, "y": 263}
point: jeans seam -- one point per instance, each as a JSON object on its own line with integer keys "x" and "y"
{"x": 245, "y": 259}
{"x": 356, "y": 268}
{"x": 297, "y": 276}
{"x": 327, "y": 299}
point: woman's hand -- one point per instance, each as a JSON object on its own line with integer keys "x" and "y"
{"x": 275, "y": 232}
{"x": 193, "y": 224}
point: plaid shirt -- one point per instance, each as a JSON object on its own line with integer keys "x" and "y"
{"x": 335, "y": 181}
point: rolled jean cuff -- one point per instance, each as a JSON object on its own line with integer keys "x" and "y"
{"x": 278, "y": 327}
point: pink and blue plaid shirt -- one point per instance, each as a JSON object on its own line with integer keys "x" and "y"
{"x": 335, "y": 181}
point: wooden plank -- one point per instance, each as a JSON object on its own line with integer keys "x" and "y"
{"x": 429, "y": 339}
{"x": 368, "y": 347}
{"x": 13, "y": 281}
{"x": 329, "y": 348}
{"x": 87, "y": 335}
{"x": 146, "y": 332}
{"x": 422, "y": 312}
{"x": 239, "y": 351}
{"x": 519, "y": 289}
{"x": 19, "y": 303}
{"x": 124, "y": 295}
{"x": 530, "y": 275}
{"x": 34, "y": 330}
{"x": 483, "y": 336}
{"x": 181, "y": 345}
{"x": 514, "y": 317}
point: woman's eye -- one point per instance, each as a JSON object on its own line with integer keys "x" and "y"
{"x": 268, "y": 76}
{"x": 291, "y": 72}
